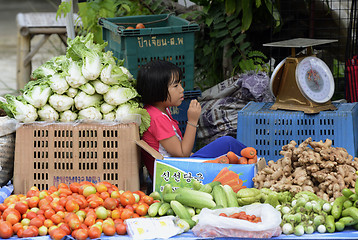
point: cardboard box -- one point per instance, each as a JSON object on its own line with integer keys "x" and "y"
{"x": 181, "y": 172}
{"x": 49, "y": 154}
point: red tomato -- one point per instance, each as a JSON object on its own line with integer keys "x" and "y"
{"x": 126, "y": 213}
{"x": 65, "y": 227}
{"x": 108, "y": 229}
{"x": 142, "y": 209}
{"x": 6, "y": 229}
{"x": 21, "y": 207}
{"x": 58, "y": 234}
{"x": 127, "y": 198}
{"x": 140, "y": 193}
{"x": 121, "y": 229}
{"x": 75, "y": 187}
{"x": 20, "y": 232}
{"x": 139, "y": 25}
{"x": 110, "y": 203}
{"x": 81, "y": 234}
{"x": 148, "y": 200}
{"x": 16, "y": 227}
{"x": 131, "y": 207}
{"x": 37, "y": 222}
{"x": 94, "y": 232}
{"x": 31, "y": 231}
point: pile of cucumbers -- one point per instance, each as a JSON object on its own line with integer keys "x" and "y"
{"x": 186, "y": 203}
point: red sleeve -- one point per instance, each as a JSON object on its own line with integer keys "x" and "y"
{"x": 162, "y": 127}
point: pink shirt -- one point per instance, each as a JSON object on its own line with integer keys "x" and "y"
{"x": 162, "y": 126}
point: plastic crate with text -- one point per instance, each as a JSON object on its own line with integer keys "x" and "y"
{"x": 49, "y": 154}
{"x": 180, "y": 113}
{"x": 268, "y": 130}
{"x": 165, "y": 37}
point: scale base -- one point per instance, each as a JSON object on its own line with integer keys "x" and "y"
{"x": 308, "y": 109}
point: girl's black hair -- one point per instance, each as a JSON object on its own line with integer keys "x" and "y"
{"x": 153, "y": 80}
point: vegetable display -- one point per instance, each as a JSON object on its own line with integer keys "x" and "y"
{"x": 85, "y": 84}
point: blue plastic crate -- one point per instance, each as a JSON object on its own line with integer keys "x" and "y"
{"x": 180, "y": 113}
{"x": 268, "y": 130}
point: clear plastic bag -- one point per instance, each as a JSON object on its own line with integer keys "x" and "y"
{"x": 210, "y": 224}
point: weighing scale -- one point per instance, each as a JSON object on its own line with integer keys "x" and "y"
{"x": 302, "y": 82}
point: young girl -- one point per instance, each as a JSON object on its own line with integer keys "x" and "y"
{"x": 159, "y": 84}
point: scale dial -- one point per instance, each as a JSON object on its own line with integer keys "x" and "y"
{"x": 315, "y": 79}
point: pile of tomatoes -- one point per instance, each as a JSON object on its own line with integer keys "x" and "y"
{"x": 82, "y": 210}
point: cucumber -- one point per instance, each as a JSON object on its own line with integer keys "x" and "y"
{"x": 191, "y": 222}
{"x": 169, "y": 197}
{"x": 339, "y": 226}
{"x": 206, "y": 188}
{"x": 215, "y": 183}
{"x": 330, "y": 225}
{"x": 180, "y": 210}
{"x": 230, "y": 196}
{"x": 196, "y": 201}
{"x": 219, "y": 196}
{"x": 197, "y": 185}
{"x": 351, "y": 212}
{"x": 194, "y": 192}
{"x": 337, "y": 207}
{"x": 170, "y": 212}
{"x": 163, "y": 209}
{"x": 353, "y": 197}
{"x": 153, "y": 209}
{"x": 347, "y": 192}
{"x": 347, "y": 221}
{"x": 167, "y": 188}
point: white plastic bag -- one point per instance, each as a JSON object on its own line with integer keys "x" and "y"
{"x": 210, "y": 224}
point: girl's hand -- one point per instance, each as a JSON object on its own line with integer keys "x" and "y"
{"x": 194, "y": 112}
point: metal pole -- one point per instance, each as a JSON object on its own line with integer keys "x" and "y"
{"x": 69, "y": 22}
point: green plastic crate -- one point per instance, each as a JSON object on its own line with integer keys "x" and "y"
{"x": 165, "y": 37}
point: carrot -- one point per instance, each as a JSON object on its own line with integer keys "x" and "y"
{"x": 211, "y": 161}
{"x": 252, "y": 160}
{"x": 233, "y": 158}
{"x": 242, "y": 160}
{"x": 248, "y": 152}
{"x": 221, "y": 159}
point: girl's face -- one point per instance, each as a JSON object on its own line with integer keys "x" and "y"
{"x": 175, "y": 92}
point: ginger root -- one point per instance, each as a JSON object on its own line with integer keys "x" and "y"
{"x": 311, "y": 166}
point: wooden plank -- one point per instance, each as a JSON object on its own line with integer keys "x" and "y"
{"x": 37, "y": 47}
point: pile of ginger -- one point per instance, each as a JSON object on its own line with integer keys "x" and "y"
{"x": 312, "y": 166}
